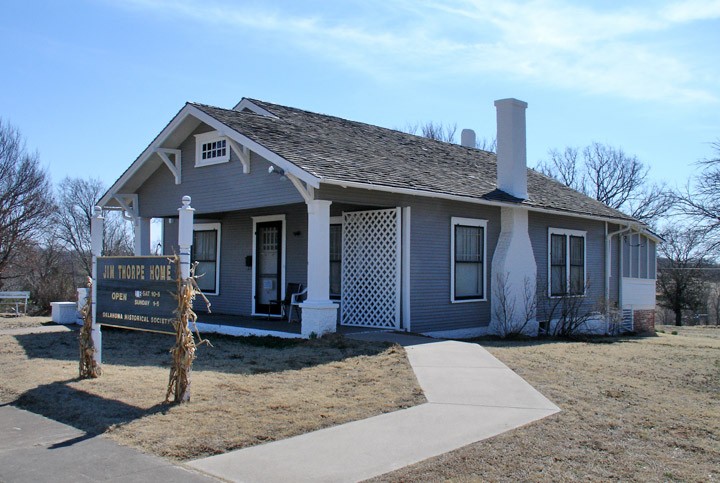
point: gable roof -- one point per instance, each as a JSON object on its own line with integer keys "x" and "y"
{"x": 349, "y": 153}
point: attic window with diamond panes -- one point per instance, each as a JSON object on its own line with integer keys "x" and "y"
{"x": 211, "y": 148}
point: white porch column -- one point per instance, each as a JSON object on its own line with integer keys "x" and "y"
{"x": 142, "y": 236}
{"x": 514, "y": 276}
{"x": 185, "y": 235}
{"x": 319, "y": 314}
{"x": 96, "y": 246}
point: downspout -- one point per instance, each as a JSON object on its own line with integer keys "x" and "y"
{"x": 608, "y": 265}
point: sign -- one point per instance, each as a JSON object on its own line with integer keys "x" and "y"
{"x": 136, "y": 293}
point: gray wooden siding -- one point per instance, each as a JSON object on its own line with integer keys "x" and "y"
{"x": 216, "y": 188}
{"x": 236, "y": 243}
{"x": 539, "y": 223}
{"x": 431, "y": 309}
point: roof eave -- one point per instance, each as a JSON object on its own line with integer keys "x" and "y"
{"x": 145, "y": 155}
{"x": 191, "y": 110}
{"x": 480, "y": 201}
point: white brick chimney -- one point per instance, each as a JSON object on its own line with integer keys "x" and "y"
{"x": 514, "y": 269}
{"x": 511, "y": 149}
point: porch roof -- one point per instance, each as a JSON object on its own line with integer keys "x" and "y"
{"x": 337, "y": 151}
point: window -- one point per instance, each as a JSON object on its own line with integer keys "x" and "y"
{"x": 467, "y": 278}
{"x": 206, "y": 252}
{"x": 638, "y": 256}
{"x": 566, "y": 265}
{"x": 335, "y": 260}
{"x": 211, "y": 148}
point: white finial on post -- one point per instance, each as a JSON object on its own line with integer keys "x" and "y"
{"x": 96, "y": 232}
{"x": 185, "y": 235}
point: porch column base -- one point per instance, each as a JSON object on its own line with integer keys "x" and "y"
{"x": 318, "y": 318}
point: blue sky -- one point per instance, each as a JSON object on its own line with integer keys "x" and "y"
{"x": 90, "y": 83}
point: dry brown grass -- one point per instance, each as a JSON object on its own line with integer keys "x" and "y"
{"x": 244, "y": 391}
{"x": 8, "y": 321}
{"x": 636, "y": 409}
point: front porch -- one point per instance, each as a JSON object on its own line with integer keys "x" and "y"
{"x": 345, "y": 258}
{"x": 243, "y": 325}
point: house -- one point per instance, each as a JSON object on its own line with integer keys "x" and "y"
{"x": 385, "y": 229}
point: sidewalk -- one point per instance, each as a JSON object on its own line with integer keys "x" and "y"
{"x": 471, "y": 396}
{"x": 38, "y": 450}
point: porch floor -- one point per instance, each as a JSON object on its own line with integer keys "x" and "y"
{"x": 262, "y": 323}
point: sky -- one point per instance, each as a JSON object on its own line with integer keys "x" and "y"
{"x": 91, "y": 83}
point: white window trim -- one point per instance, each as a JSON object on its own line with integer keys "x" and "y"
{"x": 208, "y": 137}
{"x": 455, "y": 220}
{"x": 216, "y": 227}
{"x": 283, "y": 244}
{"x": 568, "y": 234}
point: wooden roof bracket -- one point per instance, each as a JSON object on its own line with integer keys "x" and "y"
{"x": 174, "y": 167}
{"x": 243, "y": 154}
{"x": 305, "y": 190}
{"x": 129, "y": 204}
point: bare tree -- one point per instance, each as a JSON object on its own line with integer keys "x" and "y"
{"x": 431, "y": 130}
{"x": 46, "y": 270}
{"x": 570, "y": 315}
{"x": 76, "y": 199}
{"x": 680, "y": 282}
{"x": 714, "y": 302}
{"x": 487, "y": 144}
{"x": 26, "y": 201}
{"x": 611, "y": 176}
{"x": 700, "y": 200}
{"x": 512, "y": 317}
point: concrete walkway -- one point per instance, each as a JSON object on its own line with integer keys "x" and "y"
{"x": 35, "y": 449}
{"x": 471, "y": 396}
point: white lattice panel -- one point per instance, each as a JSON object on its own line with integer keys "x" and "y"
{"x": 371, "y": 268}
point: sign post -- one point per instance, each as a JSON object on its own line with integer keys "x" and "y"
{"x": 97, "y": 225}
{"x": 185, "y": 236}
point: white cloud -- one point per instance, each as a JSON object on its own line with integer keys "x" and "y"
{"x": 691, "y": 10}
{"x": 621, "y": 52}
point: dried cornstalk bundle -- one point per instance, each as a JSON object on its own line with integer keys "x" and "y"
{"x": 88, "y": 367}
{"x": 183, "y": 353}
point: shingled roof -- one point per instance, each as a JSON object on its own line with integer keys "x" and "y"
{"x": 337, "y": 151}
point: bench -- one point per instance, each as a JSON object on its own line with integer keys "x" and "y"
{"x": 15, "y": 300}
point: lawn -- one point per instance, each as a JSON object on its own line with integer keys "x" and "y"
{"x": 245, "y": 391}
{"x": 23, "y": 322}
{"x": 635, "y": 409}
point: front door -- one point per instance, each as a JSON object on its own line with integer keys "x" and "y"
{"x": 268, "y": 256}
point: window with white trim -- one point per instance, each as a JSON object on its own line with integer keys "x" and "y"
{"x": 566, "y": 262}
{"x": 206, "y": 253}
{"x": 638, "y": 256}
{"x": 211, "y": 148}
{"x": 467, "y": 259}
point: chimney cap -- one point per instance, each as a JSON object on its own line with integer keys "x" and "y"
{"x": 511, "y": 100}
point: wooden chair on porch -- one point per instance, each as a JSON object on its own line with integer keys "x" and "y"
{"x": 294, "y": 296}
